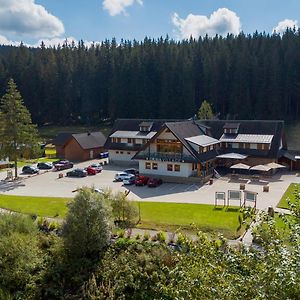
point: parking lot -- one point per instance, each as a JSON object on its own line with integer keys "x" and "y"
{"x": 48, "y": 183}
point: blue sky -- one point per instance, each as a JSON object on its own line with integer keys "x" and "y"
{"x": 95, "y": 20}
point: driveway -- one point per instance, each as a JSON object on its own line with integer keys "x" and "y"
{"x": 48, "y": 184}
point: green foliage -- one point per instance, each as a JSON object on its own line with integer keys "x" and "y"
{"x": 161, "y": 236}
{"x": 87, "y": 227}
{"x": 205, "y": 111}
{"x": 146, "y": 236}
{"x": 124, "y": 211}
{"x": 19, "y": 137}
{"x": 10, "y": 223}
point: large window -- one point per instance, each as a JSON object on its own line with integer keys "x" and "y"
{"x": 253, "y": 146}
{"x": 154, "y": 166}
{"x": 177, "y": 168}
{"x": 170, "y": 167}
{"x": 147, "y": 165}
{"x": 173, "y": 148}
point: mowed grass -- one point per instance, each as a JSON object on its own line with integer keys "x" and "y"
{"x": 290, "y": 194}
{"x": 41, "y": 206}
{"x": 189, "y": 217}
{"x": 154, "y": 215}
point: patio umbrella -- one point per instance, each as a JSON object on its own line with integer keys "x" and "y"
{"x": 240, "y": 166}
{"x": 264, "y": 168}
{"x": 274, "y": 165}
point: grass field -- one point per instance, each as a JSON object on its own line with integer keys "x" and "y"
{"x": 189, "y": 217}
{"x": 49, "y": 132}
{"x": 289, "y": 194}
{"x": 41, "y": 206}
{"x": 154, "y": 215}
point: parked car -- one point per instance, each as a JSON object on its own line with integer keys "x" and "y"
{"x": 30, "y": 170}
{"x": 45, "y": 165}
{"x": 129, "y": 180}
{"x": 63, "y": 165}
{"x": 132, "y": 171}
{"x": 120, "y": 176}
{"x": 141, "y": 180}
{"x": 154, "y": 182}
{"x": 77, "y": 173}
{"x": 98, "y": 167}
{"x": 91, "y": 171}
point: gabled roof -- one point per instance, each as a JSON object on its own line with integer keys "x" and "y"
{"x": 132, "y": 134}
{"x": 134, "y": 125}
{"x": 90, "y": 140}
{"x": 254, "y": 127}
{"x": 247, "y": 138}
{"x": 62, "y": 138}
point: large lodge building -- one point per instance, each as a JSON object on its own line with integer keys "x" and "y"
{"x": 194, "y": 148}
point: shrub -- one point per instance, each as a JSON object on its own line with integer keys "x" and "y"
{"x": 121, "y": 233}
{"x": 181, "y": 238}
{"x": 138, "y": 237}
{"x": 146, "y": 236}
{"x": 161, "y": 237}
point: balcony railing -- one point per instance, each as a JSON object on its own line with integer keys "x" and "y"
{"x": 163, "y": 156}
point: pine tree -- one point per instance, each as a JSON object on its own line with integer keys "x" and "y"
{"x": 205, "y": 111}
{"x": 18, "y": 136}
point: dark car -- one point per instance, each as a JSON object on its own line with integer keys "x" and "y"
{"x": 63, "y": 165}
{"x": 30, "y": 170}
{"x": 132, "y": 171}
{"x": 77, "y": 173}
{"x": 141, "y": 180}
{"x": 154, "y": 182}
{"x": 45, "y": 165}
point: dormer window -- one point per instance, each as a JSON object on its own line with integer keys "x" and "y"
{"x": 146, "y": 126}
{"x": 231, "y": 128}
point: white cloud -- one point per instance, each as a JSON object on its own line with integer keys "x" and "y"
{"x": 221, "y": 21}
{"x": 116, "y": 7}
{"x": 25, "y": 17}
{"x": 283, "y": 25}
{"x": 5, "y": 41}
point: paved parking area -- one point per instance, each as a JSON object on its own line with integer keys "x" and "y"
{"x": 48, "y": 184}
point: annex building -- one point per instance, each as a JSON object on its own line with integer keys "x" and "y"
{"x": 194, "y": 148}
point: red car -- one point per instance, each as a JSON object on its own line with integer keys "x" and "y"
{"x": 141, "y": 180}
{"x": 91, "y": 171}
{"x": 154, "y": 182}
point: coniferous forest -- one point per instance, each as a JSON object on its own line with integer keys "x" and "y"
{"x": 244, "y": 77}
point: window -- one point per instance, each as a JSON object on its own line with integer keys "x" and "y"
{"x": 117, "y": 152}
{"x": 129, "y": 141}
{"x": 170, "y": 167}
{"x": 229, "y": 145}
{"x": 128, "y": 153}
{"x": 177, "y": 168}
{"x": 235, "y": 145}
{"x": 121, "y": 152}
{"x": 133, "y": 141}
{"x": 266, "y": 147}
{"x": 148, "y": 165}
{"x": 168, "y": 130}
{"x": 154, "y": 166}
{"x": 253, "y": 146}
{"x": 194, "y": 167}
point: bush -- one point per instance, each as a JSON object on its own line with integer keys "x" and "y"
{"x": 181, "y": 238}
{"x": 161, "y": 237}
{"x": 138, "y": 237}
{"x": 121, "y": 233}
{"x": 146, "y": 236}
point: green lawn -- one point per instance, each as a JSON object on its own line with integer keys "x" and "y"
{"x": 189, "y": 217}
{"x": 154, "y": 215}
{"x": 49, "y": 132}
{"x": 289, "y": 194}
{"x": 41, "y": 206}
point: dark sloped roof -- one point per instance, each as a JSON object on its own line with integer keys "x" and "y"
{"x": 62, "y": 138}
{"x": 146, "y": 124}
{"x": 134, "y": 125}
{"x": 262, "y": 127}
{"x": 231, "y": 126}
{"x": 90, "y": 140}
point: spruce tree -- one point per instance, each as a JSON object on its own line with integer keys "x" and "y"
{"x": 18, "y": 136}
{"x": 205, "y": 111}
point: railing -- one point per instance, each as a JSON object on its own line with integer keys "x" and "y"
{"x": 162, "y": 156}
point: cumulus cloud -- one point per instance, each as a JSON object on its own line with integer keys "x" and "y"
{"x": 5, "y": 41}
{"x": 222, "y": 22}
{"x": 116, "y": 7}
{"x": 26, "y": 18}
{"x": 283, "y": 25}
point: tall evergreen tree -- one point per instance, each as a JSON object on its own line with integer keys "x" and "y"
{"x": 18, "y": 136}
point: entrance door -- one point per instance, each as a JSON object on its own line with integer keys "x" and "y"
{"x": 91, "y": 154}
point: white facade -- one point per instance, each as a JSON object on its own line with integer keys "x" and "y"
{"x": 162, "y": 168}
{"x": 121, "y": 155}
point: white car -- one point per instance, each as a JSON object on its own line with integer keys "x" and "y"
{"x": 129, "y": 180}
{"x": 120, "y": 176}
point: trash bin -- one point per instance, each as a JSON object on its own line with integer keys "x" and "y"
{"x": 265, "y": 188}
{"x": 60, "y": 175}
{"x": 242, "y": 186}
{"x": 211, "y": 181}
